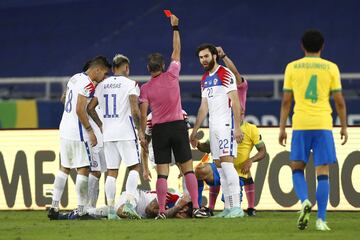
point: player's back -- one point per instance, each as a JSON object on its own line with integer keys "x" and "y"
{"x": 215, "y": 88}
{"x": 312, "y": 79}
{"x": 113, "y": 97}
{"x": 70, "y": 126}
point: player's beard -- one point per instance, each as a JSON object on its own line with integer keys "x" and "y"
{"x": 210, "y": 65}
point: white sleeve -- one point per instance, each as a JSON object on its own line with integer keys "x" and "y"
{"x": 135, "y": 90}
{"x": 232, "y": 82}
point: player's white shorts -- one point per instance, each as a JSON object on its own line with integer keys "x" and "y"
{"x": 222, "y": 142}
{"x": 75, "y": 154}
{"x": 98, "y": 163}
{"x": 117, "y": 151}
{"x": 152, "y": 157}
{"x": 142, "y": 199}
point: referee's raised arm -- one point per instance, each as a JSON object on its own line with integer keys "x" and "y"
{"x": 175, "y": 56}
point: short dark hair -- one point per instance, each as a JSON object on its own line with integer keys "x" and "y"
{"x": 120, "y": 60}
{"x": 312, "y": 40}
{"x": 209, "y": 46}
{"x": 155, "y": 62}
{"x": 99, "y": 61}
{"x": 86, "y": 66}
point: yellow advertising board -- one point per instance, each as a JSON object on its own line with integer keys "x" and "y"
{"x": 29, "y": 161}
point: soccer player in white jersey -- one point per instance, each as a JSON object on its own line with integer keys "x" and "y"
{"x": 118, "y": 100}
{"x": 98, "y": 164}
{"x": 220, "y": 100}
{"x": 77, "y": 135}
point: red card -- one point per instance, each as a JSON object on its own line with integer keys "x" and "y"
{"x": 168, "y": 13}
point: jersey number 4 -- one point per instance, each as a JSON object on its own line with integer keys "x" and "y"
{"x": 107, "y": 107}
{"x": 311, "y": 90}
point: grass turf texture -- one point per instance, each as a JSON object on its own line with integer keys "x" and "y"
{"x": 22, "y": 225}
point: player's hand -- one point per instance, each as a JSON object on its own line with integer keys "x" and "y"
{"x": 147, "y": 175}
{"x": 220, "y": 51}
{"x": 92, "y": 137}
{"x": 193, "y": 140}
{"x": 344, "y": 135}
{"x": 239, "y": 135}
{"x": 282, "y": 138}
{"x": 245, "y": 167}
{"x": 174, "y": 20}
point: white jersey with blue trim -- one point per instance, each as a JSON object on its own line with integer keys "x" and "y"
{"x": 215, "y": 87}
{"x": 70, "y": 126}
{"x": 113, "y": 97}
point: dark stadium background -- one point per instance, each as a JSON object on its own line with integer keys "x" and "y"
{"x": 55, "y": 38}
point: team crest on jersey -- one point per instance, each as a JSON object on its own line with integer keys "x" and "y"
{"x": 94, "y": 164}
{"x": 215, "y": 81}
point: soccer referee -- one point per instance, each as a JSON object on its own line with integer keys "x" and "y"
{"x": 162, "y": 95}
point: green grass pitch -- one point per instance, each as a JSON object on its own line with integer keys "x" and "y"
{"x": 22, "y": 225}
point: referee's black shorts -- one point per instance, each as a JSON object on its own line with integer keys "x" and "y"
{"x": 171, "y": 136}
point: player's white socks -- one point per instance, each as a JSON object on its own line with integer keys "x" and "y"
{"x": 224, "y": 188}
{"x": 232, "y": 179}
{"x": 82, "y": 187}
{"x": 93, "y": 190}
{"x": 131, "y": 186}
{"x": 110, "y": 190}
{"x": 185, "y": 191}
{"x": 59, "y": 185}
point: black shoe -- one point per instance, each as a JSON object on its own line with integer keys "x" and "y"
{"x": 251, "y": 212}
{"x": 208, "y": 211}
{"x": 200, "y": 213}
{"x": 160, "y": 216}
{"x": 53, "y": 214}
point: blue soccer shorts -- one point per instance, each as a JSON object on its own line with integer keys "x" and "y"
{"x": 320, "y": 142}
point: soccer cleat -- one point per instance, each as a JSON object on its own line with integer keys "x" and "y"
{"x": 251, "y": 212}
{"x": 223, "y": 213}
{"x": 130, "y": 212}
{"x": 112, "y": 214}
{"x": 303, "y": 219}
{"x": 235, "y": 212}
{"x": 53, "y": 214}
{"x": 160, "y": 216}
{"x": 199, "y": 213}
{"x": 321, "y": 225}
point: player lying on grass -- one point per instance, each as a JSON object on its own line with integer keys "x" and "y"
{"x": 207, "y": 172}
{"x": 146, "y": 206}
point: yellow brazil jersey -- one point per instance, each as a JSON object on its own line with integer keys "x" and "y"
{"x": 252, "y": 138}
{"x": 311, "y": 80}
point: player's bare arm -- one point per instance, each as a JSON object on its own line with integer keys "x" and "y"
{"x": 341, "y": 111}
{"x": 83, "y": 118}
{"x": 202, "y": 113}
{"x": 238, "y": 134}
{"x": 230, "y": 64}
{"x": 92, "y": 112}
{"x": 145, "y": 162}
{"x": 175, "y": 56}
{"x": 284, "y": 114}
{"x": 135, "y": 111}
{"x": 260, "y": 155}
{"x": 144, "y": 106}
